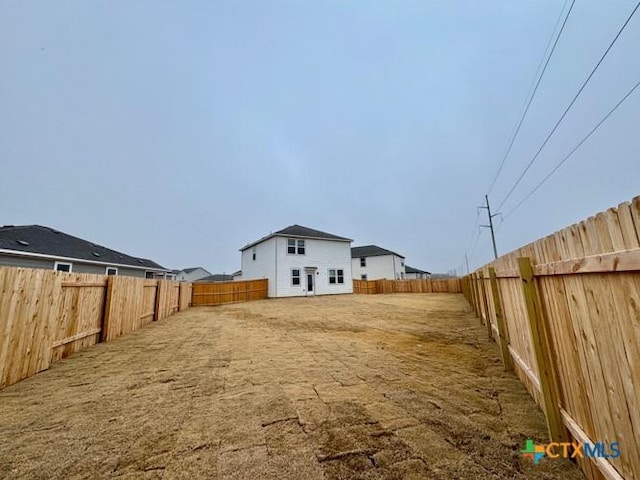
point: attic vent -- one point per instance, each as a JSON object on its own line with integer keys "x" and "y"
{"x": 23, "y": 242}
{"x": 95, "y": 254}
{"x": 55, "y": 231}
{"x": 120, "y": 257}
{"x": 140, "y": 261}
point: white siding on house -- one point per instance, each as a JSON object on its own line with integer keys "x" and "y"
{"x": 380, "y": 266}
{"x": 264, "y": 264}
{"x": 320, "y": 256}
{"x": 416, "y": 276}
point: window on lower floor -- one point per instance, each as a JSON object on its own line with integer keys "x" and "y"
{"x": 363, "y": 276}
{"x": 148, "y": 275}
{"x": 336, "y": 276}
{"x": 295, "y": 276}
{"x": 112, "y": 271}
{"x": 63, "y": 267}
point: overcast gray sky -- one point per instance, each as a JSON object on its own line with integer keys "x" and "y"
{"x": 179, "y": 131}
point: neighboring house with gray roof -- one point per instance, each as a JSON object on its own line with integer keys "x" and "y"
{"x": 300, "y": 261}
{"x": 191, "y": 274}
{"x": 412, "y": 273}
{"x": 371, "y": 262}
{"x": 216, "y": 277}
{"x": 35, "y": 246}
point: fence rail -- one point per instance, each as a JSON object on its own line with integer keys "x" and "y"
{"x": 46, "y": 316}
{"x": 449, "y": 285}
{"x": 211, "y": 294}
{"x": 566, "y": 312}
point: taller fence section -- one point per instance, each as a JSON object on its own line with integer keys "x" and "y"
{"x": 447, "y": 285}
{"x": 566, "y": 312}
{"x": 46, "y": 316}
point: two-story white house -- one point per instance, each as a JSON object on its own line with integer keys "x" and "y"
{"x": 300, "y": 261}
{"x": 372, "y": 262}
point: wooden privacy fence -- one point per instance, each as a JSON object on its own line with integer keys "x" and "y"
{"x": 566, "y": 313}
{"x": 46, "y": 316}
{"x": 210, "y": 294}
{"x": 449, "y": 285}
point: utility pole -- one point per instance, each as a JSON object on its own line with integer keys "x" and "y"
{"x": 490, "y": 226}
{"x": 466, "y": 260}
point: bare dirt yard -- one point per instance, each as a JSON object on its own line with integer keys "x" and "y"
{"x": 402, "y": 386}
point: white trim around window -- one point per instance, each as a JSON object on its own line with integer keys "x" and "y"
{"x": 336, "y": 276}
{"x": 113, "y": 270}
{"x": 296, "y": 276}
{"x": 296, "y": 247}
{"x": 63, "y": 267}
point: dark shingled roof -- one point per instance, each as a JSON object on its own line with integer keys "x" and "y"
{"x": 48, "y": 241}
{"x": 217, "y": 277}
{"x": 189, "y": 270}
{"x": 299, "y": 231}
{"x": 371, "y": 251}
{"x": 409, "y": 269}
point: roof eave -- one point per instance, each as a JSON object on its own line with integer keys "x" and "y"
{"x": 269, "y": 237}
{"x": 80, "y": 260}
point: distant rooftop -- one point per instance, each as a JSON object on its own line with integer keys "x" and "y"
{"x": 192, "y": 269}
{"x": 409, "y": 269}
{"x": 371, "y": 251}
{"x": 217, "y": 277}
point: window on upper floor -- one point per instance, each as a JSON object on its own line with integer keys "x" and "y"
{"x": 363, "y": 262}
{"x": 336, "y": 276}
{"x": 253, "y": 254}
{"x": 295, "y": 246}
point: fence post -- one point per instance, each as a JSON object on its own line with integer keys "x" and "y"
{"x": 470, "y": 291}
{"x": 502, "y": 331}
{"x": 475, "y": 293}
{"x": 106, "y": 312}
{"x": 159, "y": 292}
{"x": 540, "y": 339}
{"x": 485, "y": 304}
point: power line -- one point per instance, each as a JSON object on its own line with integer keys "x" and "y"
{"x": 473, "y": 248}
{"x": 557, "y": 167}
{"x": 474, "y": 230}
{"x": 532, "y": 94}
{"x": 573, "y": 101}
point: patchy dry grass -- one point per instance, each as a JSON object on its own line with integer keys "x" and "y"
{"x": 368, "y": 387}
